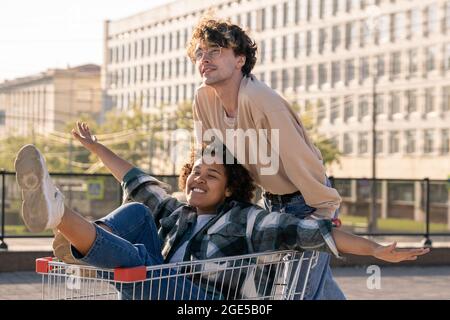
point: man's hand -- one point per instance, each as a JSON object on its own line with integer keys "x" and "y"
{"x": 391, "y": 254}
{"x": 88, "y": 140}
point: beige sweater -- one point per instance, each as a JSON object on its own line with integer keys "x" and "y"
{"x": 300, "y": 162}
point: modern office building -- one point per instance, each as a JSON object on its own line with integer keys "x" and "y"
{"x": 43, "y": 103}
{"x": 336, "y": 58}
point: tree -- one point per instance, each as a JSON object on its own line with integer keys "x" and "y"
{"x": 330, "y": 153}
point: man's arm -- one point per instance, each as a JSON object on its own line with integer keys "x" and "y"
{"x": 115, "y": 164}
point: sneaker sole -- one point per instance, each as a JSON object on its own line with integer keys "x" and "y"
{"x": 30, "y": 176}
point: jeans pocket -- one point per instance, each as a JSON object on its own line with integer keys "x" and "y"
{"x": 299, "y": 209}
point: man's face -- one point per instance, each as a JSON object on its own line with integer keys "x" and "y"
{"x": 216, "y": 64}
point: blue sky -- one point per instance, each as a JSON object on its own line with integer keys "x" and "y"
{"x": 37, "y": 35}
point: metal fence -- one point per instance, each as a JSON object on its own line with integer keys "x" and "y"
{"x": 403, "y": 207}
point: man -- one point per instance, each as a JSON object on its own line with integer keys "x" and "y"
{"x": 231, "y": 99}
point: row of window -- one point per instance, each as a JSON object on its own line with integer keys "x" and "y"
{"x": 163, "y": 70}
{"x": 389, "y": 28}
{"x": 395, "y": 65}
{"x": 155, "y": 97}
{"x": 390, "y": 142}
{"x": 394, "y": 102}
{"x": 158, "y": 44}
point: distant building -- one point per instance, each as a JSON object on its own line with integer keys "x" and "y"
{"x": 322, "y": 54}
{"x": 43, "y": 103}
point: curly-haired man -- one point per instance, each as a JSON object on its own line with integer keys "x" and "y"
{"x": 231, "y": 98}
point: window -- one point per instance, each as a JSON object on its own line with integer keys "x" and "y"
{"x": 394, "y": 105}
{"x": 284, "y": 53}
{"x": 380, "y": 66}
{"x": 274, "y": 80}
{"x": 446, "y": 56}
{"x": 262, "y": 51}
{"x": 273, "y": 49}
{"x": 350, "y": 36}
{"x": 430, "y": 53}
{"x": 363, "y": 106}
{"x": 336, "y": 37}
{"x": 428, "y": 141}
{"x": 2, "y": 117}
{"x": 322, "y": 74}
{"x": 315, "y": 9}
{"x": 349, "y": 71}
{"x": 395, "y": 64}
{"x": 320, "y": 111}
{"x": 394, "y": 142}
{"x": 296, "y": 45}
{"x": 296, "y": 11}
{"x": 303, "y": 10}
{"x": 365, "y": 33}
{"x": 401, "y": 191}
{"x": 446, "y": 99}
{"x": 379, "y": 142}
{"x": 416, "y": 23}
{"x": 308, "y": 42}
{"x": 285, "y": 14}
{"x": 334, "y": 109}
{"x": 363, "y": 69}
{"x": 322, "y": 40}
{"x": 411, "y": 101}
{"x": 445, "y": 141}
{"x": 249, "y": 20}
{"x": 335, "y": 72}
{"x": 410, "y": 137}
{"x": 297, "y": 78}
{"x": 412, "y": 61}
{"x": 379, "y": 103}
{"x": 429, "y": 100}
{"x": 309, "y": 76}
{"x": 447, "y": 16}
{"x": 363, "y": 142}
{"x": 432, "y": 19}
{"x": 262, "y": 19}
{"x": 348, "y": 144}
{"x": 348, "y": 108}
{"x": 284, "y": 80}
{"x": 326, "y": 8}
{"x": 383, "y": 29}
{"x": 399, "y": 26}
{"x": 274, "y": 17}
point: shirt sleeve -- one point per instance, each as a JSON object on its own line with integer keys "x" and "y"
{"x": 282, "y": 231}
{"x": 141, "y": 187}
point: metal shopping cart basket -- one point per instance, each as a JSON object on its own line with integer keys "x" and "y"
{"x": 267, "y": 276}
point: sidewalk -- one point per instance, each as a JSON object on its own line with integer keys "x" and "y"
{"x": 397, "y": 283}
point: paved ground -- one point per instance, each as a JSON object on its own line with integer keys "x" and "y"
{"x": 396, "y": 283}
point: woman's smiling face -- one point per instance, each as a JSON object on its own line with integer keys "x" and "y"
{"x": 206, "y": 186}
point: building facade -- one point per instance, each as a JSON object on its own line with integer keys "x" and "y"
{"x": 43, "y": 103}
{"x": 336, "y": 58}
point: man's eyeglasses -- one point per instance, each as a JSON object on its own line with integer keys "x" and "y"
{"x": 210, "y": 53}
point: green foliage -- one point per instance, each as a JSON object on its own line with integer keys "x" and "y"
{"x": 134, "y": 135}
{"x": 329, "y": 151}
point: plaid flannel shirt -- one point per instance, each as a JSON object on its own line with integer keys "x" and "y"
{"x": 226, "y": 234}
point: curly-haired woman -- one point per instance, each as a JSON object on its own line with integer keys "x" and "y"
{"x": 157, "y": 228}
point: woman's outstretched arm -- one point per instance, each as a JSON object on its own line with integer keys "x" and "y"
{"x": 350, "y": 243}
{"x": 115, "y": 164}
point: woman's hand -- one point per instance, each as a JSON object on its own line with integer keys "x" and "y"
{"x": 84, "y": 136}
{"x": 391, "y": 254}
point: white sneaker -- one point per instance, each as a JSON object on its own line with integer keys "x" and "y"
{"x": 43, "y": 203}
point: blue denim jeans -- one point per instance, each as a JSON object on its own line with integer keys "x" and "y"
{"x": 321, "y": 285}
{"x": 134, "y": 242}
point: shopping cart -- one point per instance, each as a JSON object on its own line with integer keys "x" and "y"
{"x": 267, "y": 276}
